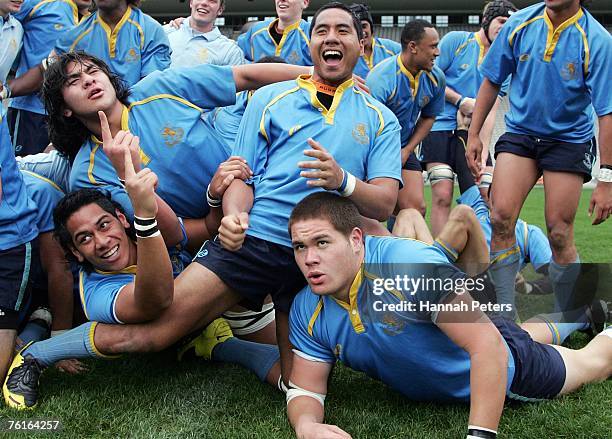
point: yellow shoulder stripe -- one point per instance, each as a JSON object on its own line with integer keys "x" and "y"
{"x": 75, "y": 11}
{"x": 587, "y": 51}
{"x": 376, "y": 109}
{"x": 80, "y": 37}
{"x": 521, "y": 26}
{"x": 82, "y": 293}
{"x": 262, "y": 128}
{"x": 140, "y": 31}
{"x": 45, "y": 179}
{"x": 164, "y": 96}
{"x": 92, "y": 159}
{"x": 315, "y": 315}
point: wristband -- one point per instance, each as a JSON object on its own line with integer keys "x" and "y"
{"x": 121, "y": 182}
{"x": 461, "y": 98}
{"x": 604, "y": 175}
{"x": 475, "y": 432}
{"x": 212, "y": 202}
{"x": 349, "y": 188}
{"x": 146, "y": 227}
{"x": 344, "y": 181}
{"x": 6, "y": 92}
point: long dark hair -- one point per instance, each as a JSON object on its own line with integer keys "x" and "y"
{"x": 68, "y": 133}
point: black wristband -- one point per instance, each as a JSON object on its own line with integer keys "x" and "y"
{"x": 478, "y": 433}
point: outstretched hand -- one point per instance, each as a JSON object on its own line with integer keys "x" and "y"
{"x": 326, "y": 173}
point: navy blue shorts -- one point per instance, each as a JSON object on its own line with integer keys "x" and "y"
{"x": 15, "y": 281}
{"x": 539, "y": 369}
{"x": 412, "y": 164}
{"x": 28, "y": 131}
{"x": 440, "y": 147}
{"x": 259, "y": 268}
{"x": 551, "y": 155}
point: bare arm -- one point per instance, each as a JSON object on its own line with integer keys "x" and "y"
{"x": 474, "y": 332}
{"x": 27, "y": 83}
{"x": 237, "y": 203}
{"x": 421, "y": 130}
{"x": 306, "y": 413}
{"x": 601, "y": 199}
{"x": 253, "y": 76}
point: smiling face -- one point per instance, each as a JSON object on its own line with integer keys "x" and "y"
{"x": 425, "y": 51}
{"x": 328, "y": 259}
{"x": 9, "y": 7}
{"x": 334, "y": 46}
{"x": 87, "y": 90}
{"x": 290, "y": 11}
{"x": 100, "y": 238}
{"x": 205, "y": 12}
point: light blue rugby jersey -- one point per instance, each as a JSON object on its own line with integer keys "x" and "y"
{"x": 44, "y": 21}
{"x": 98, "y": 291}
{"x": 294, "y": 46}
{"x": 461, "y": 54}
{"x": 226, "y": 120}
{"x": 406, "y": 95}
{"x": 17, "y": 211}
{"x": 136, "y": 47}
{"x": 560, "y": 79}
{"x": 403, "y": 349}
{"x": 533, "y": 243}
{"x": 382, "y": 48}
{"x": 166, "y": 111}
{"x": 45, "y": 194}
{"x": 360, "y": 133}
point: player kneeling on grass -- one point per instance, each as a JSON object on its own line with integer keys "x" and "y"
{"x": 349, "y": 313}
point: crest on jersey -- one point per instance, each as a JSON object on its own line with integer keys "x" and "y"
{"x": 132, "y": 56}
{"x": 293, "y": 57}
{"x": 524, "y": 57}
{"x": 392, "y": 324}
{"x": 360, "y": 134}
{"x": 568, "y": 72}
{"x": 172, "y": 135}
{"x": 203, "y": 54}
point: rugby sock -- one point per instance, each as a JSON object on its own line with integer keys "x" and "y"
{"x": 33, "y": 332}
{"x": 451, "y": 253}
{"x": 563, "y": 279}
{"x": 257, "y": 357}
{"x": 76, "y": 343}
{"x": 561, "y": 330}
{"x": 503, "y": 269}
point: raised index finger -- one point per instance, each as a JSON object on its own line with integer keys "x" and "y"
{"x": 129, "y": 165}
{"x": 106, "y": 132}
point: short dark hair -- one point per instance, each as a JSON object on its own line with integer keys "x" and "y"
{"x": 339, "y": 211}
{"x": 362, "y": 12}
{"x": 72, "y": 202}
{"x": 337, "y": 5}
{"x": 68, "y": 133}
{"x": 268, "y": 59}
{"x": 414, "y": 31}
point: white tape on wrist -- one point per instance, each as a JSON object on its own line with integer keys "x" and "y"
{"x": 295, "y": 391}
{"x": 351, "y": 182}
{"x": 605, "y": 175}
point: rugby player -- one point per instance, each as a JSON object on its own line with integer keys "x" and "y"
{"x": 431, "y": 344}
{"x": 255, "y": 259}
{"x": 413, "y": 88}
{"x": 286, "y": 36}
{"x": 461, "y": 54}
{"x": 559, "y": 57}
{"x": 375, "y": 49}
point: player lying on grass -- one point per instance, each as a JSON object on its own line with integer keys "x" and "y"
{"x": 433, "y": 344}
{"x": 123, "y": 279}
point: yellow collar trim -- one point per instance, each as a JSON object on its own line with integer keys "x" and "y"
{"x": 370, "y": 60}
{"x": 414, "y": 80}
{"x": 286, "y": 32}
{"x": 481, "y": 46}
{"x": 351, "y": 307}
{"x": 554, "y": 34}
{"x": 131, "y": 269}
{"x": 111, "y": 35}
{"x": 305, "y": 82}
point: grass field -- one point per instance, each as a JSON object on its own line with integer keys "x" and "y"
{"x": 153, "y": 396}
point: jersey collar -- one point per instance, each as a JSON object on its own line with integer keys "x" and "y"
{"x": 305, "y": 82}
{"x": 351, "y": 307}
{"x": 112, "y": 35}
{"x": 552, "y": 38}
{"x": 286, "y": 32}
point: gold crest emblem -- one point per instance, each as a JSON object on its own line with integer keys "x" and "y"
{"x": 393, "y": 326}
{"x": 293, "y": 57}
{"x": 568, "y": 72}
{"x": 172, "y": 135}
{"x": 132, "y": 55}
{"x": 360, "y": 134}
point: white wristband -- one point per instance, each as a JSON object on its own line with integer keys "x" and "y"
{"x": 604, "y": 175}
{"x": 351, "y": 182}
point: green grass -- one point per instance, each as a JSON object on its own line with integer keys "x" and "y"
{"x": 154, "y": 396}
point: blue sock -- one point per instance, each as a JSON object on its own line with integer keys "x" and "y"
{"x": 563, "y": 279}
{"x": 503, "y": 269}
{"x": 257, "y": 357}
{"x": 559, "y": 329}
{"x": 76, "y": 343}
{"x": 33, "y": 332}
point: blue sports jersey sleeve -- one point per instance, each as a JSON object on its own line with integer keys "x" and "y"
{"x": 302, "y": 310}
{"x": 380, "y": 89}
{"x": 99, "y": 296}
{"x": 436, "y": 105}
{"x": 598, "y": 78}
{"x": 207, "y": 86}
{"x": 448, "y": 46}
{"x": 45, "y": 195}
{"x": 156, "y": 53}
{"x": 243, "y": 42}
{"x": 499, "y": 61}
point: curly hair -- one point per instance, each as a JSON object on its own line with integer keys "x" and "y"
{"x": 68, "y": 133}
